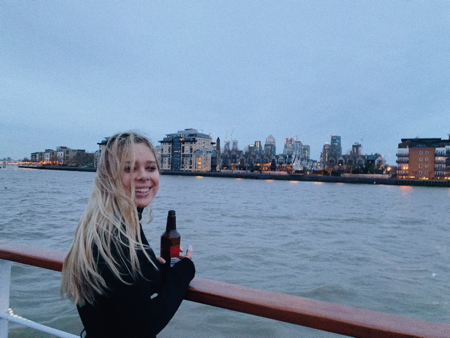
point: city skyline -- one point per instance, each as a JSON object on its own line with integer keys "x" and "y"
{"x": 373, "y": 72}
{"x": 355, "y": 147}
{"x": 279, "y": 148}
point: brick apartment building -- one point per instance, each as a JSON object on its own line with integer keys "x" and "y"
{"x": 424, "y": 158}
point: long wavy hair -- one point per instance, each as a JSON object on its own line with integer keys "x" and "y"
{"x": 110, "y": 224}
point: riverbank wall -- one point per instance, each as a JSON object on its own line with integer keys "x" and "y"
{"x": 48, "y": 167}
{"x": 282, "y": 176}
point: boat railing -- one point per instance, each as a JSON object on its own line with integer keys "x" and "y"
{"x": 340, "y": 319}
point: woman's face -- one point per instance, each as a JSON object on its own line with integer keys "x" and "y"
{"x": 144, "y": 177}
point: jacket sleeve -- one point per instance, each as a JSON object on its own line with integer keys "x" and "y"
{"x": 142, "y": 315}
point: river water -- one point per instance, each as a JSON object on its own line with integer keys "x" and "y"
{"x": 382, "y": 248}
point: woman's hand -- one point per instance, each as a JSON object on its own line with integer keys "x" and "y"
{"x": 188, "y": 255}
{"x": 188, "y": 252}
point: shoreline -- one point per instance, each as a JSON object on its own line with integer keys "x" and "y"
{"x": 281, "y": 177}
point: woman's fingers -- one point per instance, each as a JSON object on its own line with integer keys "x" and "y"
{"x": 189, "y": 252}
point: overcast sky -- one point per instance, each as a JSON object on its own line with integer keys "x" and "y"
{"x": 73, "y": 72}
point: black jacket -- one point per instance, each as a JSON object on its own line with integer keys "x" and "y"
{"x": 128, "y": 310}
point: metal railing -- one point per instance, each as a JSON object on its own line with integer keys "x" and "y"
{"x": 315, "y": 314}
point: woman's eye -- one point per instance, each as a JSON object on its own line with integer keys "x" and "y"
{"x": 127, "y": 169}
{"x": 151, "y": 168}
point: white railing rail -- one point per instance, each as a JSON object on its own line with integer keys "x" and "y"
{"x": 7, "y": 315}
{"x": 5, "y": 281}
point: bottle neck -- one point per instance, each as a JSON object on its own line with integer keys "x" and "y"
{"x": 171, "y": 221}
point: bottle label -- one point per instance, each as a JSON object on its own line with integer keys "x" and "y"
{"x": 174, "y": 254}
{"x": 175, "y": 251}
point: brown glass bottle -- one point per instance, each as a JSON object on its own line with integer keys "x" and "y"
{"x": 170, "y": 241}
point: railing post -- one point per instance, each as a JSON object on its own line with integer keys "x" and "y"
{"x": 5, "y": 282}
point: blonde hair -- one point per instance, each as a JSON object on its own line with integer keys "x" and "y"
{"x": 109, "y": 224}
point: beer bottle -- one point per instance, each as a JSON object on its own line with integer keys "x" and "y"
{"x": 170, "y": 241}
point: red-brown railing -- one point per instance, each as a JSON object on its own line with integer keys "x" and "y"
{"x": 315, "y": 314}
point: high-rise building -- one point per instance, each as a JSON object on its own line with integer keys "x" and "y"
{"x": 251, "y": 149}
{"x": 298, "y": 149}
{"x": 226, "y": 147}
{"x": 424, "y": 158}
{"x": 186, "y": 150}
{"x": 325, "y": 155}
{"x": 269, "y": 146}
{"x": 335, "y": 147}
{"x": 258, "y": 147}
{"x": 289, "y": 147}
{"x": 306, "y": 152}
{"x": 235, "y": 145}
{"x": 356, "y": 149}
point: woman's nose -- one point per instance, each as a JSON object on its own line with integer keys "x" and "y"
{"x": 142, "y": 175}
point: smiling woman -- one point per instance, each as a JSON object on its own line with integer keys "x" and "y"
{"x": 111, "y": 273}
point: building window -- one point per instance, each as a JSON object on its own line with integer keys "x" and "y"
{"x": 420, "y": 152}
{"x": 420, "y": 173}
{"x": 426, "y": 158}
{"x": 420, "y": 166}
{"x": 426, "y": 151}
{"x": 420, "y": 159}
{"x": 426, "y": 165}
{"x": 426, "y": 172}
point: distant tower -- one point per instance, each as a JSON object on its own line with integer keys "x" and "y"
{"x": 288, "y": 146}
{"x": 218, "y": 145}
{"x": 258, "y": 147}
{"x": 235, "y": 145}
{"x": 226, "y": 147}
{"x": 298, "y": 149}
{"x": 325, "y": 156}
{"x": 218, "y": 153}
{"x": 356, "y": 149}
{"x": 269, "y": 146}
{"x": 335, "y": 147}
{"x": 306, "y": 150}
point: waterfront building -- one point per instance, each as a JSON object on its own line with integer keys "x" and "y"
{"x": 306, "y": 165}
{"x": 34, "y": 157}
{"x": 50, "y": 157}
{"x": 215, "y": 160}
{"x": 187, "y": 150}
{"x": 424, "y": 158}
{"x": 354, "y": 162}
{"x": 63, "y": 156}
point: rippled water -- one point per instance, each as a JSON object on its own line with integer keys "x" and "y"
{"x": 383, "y": 248}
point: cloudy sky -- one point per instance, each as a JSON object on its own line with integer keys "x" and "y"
{"x": 73, "y": 72}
